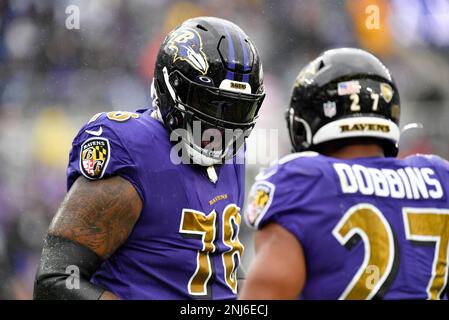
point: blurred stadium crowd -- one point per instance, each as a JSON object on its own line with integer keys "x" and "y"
{"x": 53, "y": 79}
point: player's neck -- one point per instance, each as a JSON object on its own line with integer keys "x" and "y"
{"x": 357, "y": 151}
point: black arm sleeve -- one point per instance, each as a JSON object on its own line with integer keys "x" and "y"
{"x": 65, "y": 270}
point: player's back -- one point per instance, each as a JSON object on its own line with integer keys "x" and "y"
{"x": 369, "y": 227}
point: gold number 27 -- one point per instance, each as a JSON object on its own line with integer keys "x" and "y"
{"x": 421, "y": 225}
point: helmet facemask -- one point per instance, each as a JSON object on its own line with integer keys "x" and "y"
{"x": 212, "y": 123}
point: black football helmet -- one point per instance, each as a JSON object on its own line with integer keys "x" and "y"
{"x": 208, "y": 76}
{"x": 344, "y": 93}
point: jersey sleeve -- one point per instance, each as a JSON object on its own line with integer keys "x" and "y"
{"x": 98, "y": 152}
{"x": 280, "y": 195}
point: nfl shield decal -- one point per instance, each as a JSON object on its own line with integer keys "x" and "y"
{"x": 95, "y": 153}
{"x": 329, "y": 109}
{"x": 259, "y": 200}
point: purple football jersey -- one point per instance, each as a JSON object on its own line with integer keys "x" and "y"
{"x": 185, "y": 243}
{"x": 370, "y": 227}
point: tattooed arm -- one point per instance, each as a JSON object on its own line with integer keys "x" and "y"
{"x": 95, "y": 218}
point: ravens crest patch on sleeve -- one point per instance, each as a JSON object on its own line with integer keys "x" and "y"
{"x": 94, "y": 158}
{"x": 259, "y": 200}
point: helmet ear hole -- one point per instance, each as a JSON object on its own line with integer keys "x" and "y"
{"x": 300, "y": 134}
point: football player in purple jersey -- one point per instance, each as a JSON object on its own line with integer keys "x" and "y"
{"x": 342, "y": 218}
{"x": 154, "y": 196}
